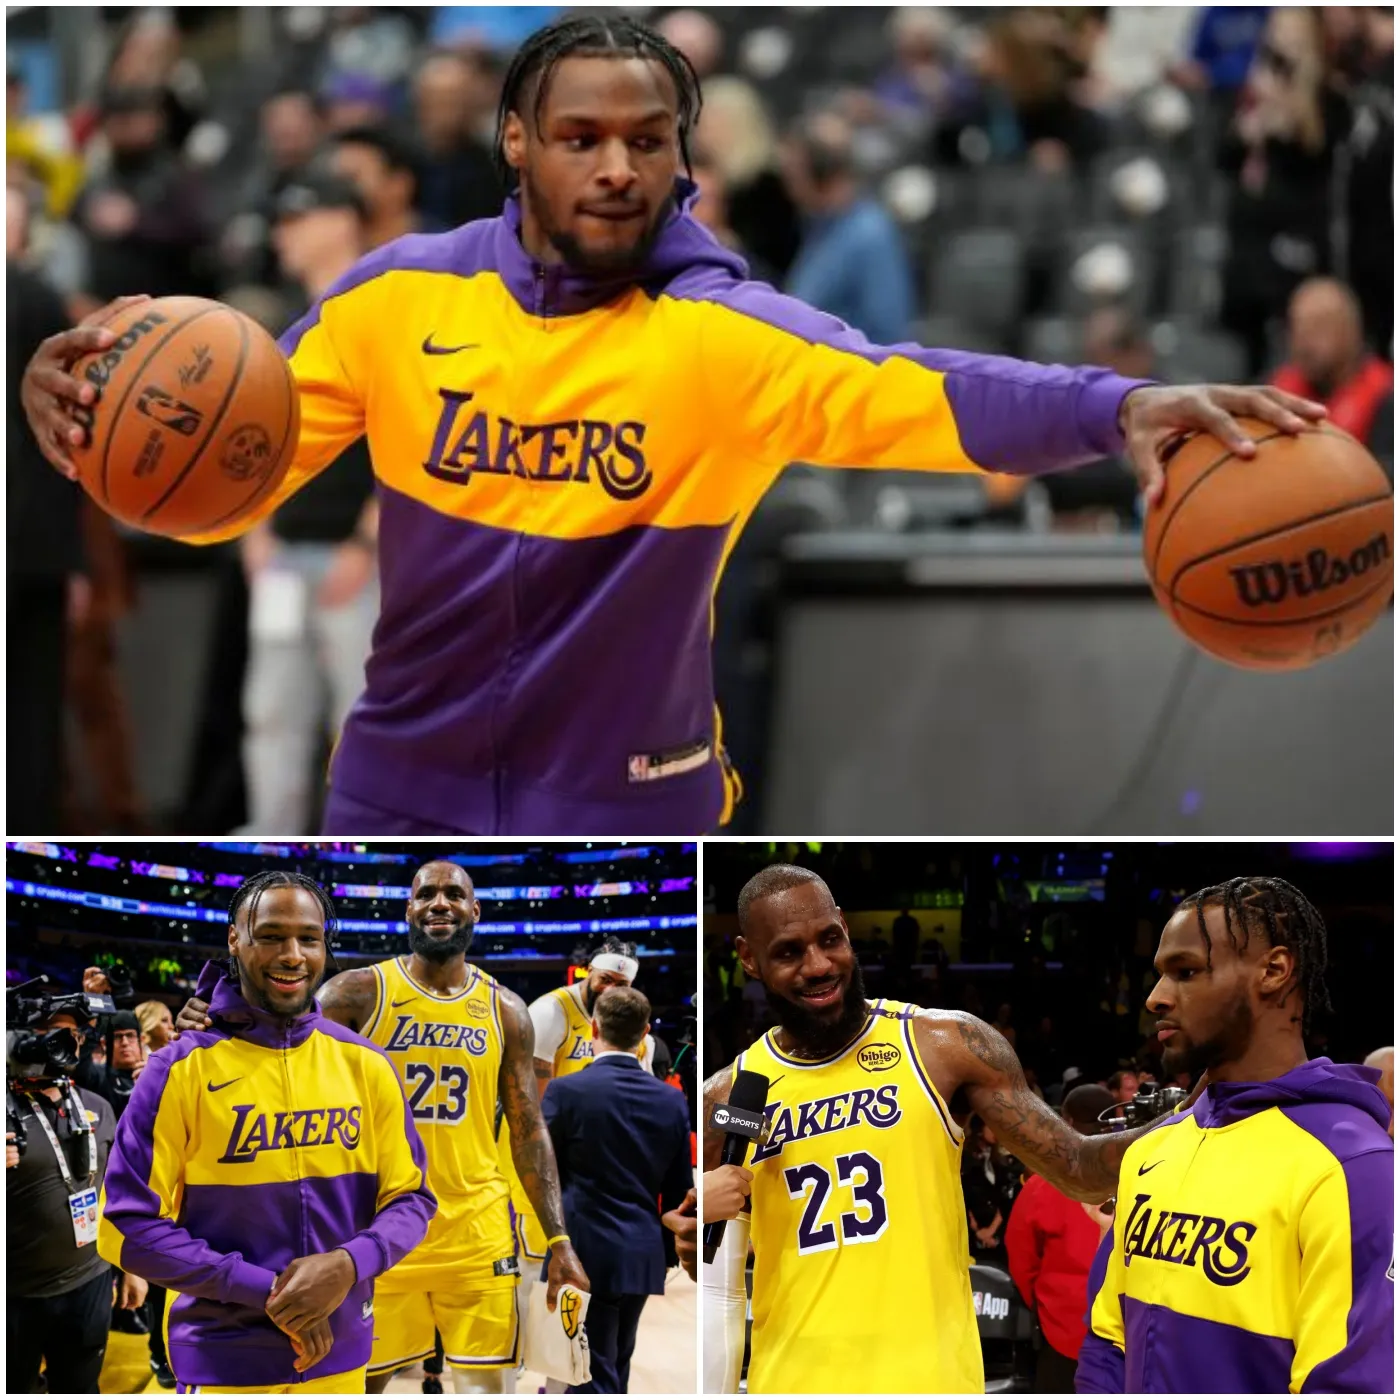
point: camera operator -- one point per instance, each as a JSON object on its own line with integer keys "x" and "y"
{"x": 58, "y": 1289}
{"x": 125, "y": 1057}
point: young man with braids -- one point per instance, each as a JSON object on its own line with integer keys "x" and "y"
{"x": 1252, "y": 1244}
{"x": 267, "y": 1169}
{"x": 459, "y": 1042}
{"x": 860, "y": 1281}
{"x": 573, "y": 409}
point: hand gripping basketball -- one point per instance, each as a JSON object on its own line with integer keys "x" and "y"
{"x": 51, "y": 395}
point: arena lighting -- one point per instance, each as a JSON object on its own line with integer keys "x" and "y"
{"x": 466, "y": 859}
{"x": 120, "y": 905}
{"x": 1338, "y": 850}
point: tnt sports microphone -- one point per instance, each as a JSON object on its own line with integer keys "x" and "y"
{"x": 742, "y": 1121}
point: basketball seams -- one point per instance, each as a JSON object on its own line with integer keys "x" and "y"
{"x": 274, "y": 479}
{"x": 235, "y": 380}
{"x": 135, "y": 377}
{"x": 1186, "y": 495}
{"x": 1273, "y": 532}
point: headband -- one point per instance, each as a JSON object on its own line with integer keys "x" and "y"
{"x": 615, "y": 962}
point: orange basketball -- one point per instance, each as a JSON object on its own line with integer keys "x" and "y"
{"x": 196, "y": 419}
{"x": 1277, "y": 562}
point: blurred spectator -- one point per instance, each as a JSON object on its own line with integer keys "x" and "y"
{"x": 697, "y": 36}
{"x": 852, "y": 262}
{"x": 44, "y": 564}
{"x": 1140, "y": 47}
{"x": 454, "y": 98}
{"x": 925, "y": 85}
{"x": 1328, "y": 361}
{"x": 143, "y": 216}
{"x": 157, "y": 1024}
{"x": 1123, "y": 1085}
{"x": 384, "y": 169}
{"x": 1035, "y": 58}
{"x": 711, "y": 208}
{"x": 1051, "y": 1241}
{"x": 735, "y": 132}
{"x": 291, "y": 127}
{"x": 114, "y": 1075}
{"x": 311, "y": 568}
{"x": 904, "y": 938}
{"x": 497, "y": 27}
{"x": 1279, "y": 155}
{"x": 40, "y": 148}
{"x": 355, "y": 101}
{"x": 1223, "y": 47}
{"x": 991, "y": 1180}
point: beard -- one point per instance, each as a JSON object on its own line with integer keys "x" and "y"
{"x": 816, "y": 1036}
{"x": 441, "y": 949}
{"x": 604, "y": 261}
{"x": 1195, "y": 1057}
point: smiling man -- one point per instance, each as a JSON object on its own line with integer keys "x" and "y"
{"x": 860, "y": 1278}
{"x": 573, "y": 409}
{"x": 1252, "y": 1245}
{"x": 267, "y": 1169}
{"x": 460, "y": 1043}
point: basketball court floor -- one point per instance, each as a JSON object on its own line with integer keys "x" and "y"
{"x": 663, "y": 1364}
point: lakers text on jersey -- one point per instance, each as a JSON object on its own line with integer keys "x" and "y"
{"x": 860, "y": 1278}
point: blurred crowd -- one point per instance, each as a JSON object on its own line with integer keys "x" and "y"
{"x": 1185, "y": 192}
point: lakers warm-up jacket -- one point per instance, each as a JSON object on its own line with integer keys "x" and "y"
{"x": 563, "y": 463}
{"x": 1252, "y": 1246}
{"x": 247, "y": 1146}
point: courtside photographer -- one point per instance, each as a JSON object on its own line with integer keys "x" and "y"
{"x": 57, "y": 1136}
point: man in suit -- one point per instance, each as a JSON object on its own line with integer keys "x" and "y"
{"x": 622, "y": 1141}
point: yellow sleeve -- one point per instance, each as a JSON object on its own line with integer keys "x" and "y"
{"x": 794, "y": 384}
{"x": 328, "y": 351}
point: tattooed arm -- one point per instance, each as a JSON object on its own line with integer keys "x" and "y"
{"x": 350, "y": 998}
{"x": 959, "y": 1051}
{"x": 716, "y": 1091}
{"x": 530, "y": 1146}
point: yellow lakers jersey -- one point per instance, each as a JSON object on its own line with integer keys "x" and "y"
{"x": 575, "y": 1051}
{"x": 447, "y": 1053}
{"x": 860, "y": 1279}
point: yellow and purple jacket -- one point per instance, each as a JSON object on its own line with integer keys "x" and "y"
{"x": 247, "y": 1146}
{"x": 1253, "y": 1246}
{"x": 564, "y": 461}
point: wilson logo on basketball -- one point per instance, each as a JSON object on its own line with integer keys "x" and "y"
{"x": 1261, "y": 585}
{"x": 877, "y": 1057}
{"x": 169, "y": 411}
{"x": 98, "y": 371}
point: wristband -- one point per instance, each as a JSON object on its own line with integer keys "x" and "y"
{"x": 558, "y": 1239}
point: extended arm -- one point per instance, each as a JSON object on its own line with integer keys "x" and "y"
{"x": 961, "y": 1051}
{"x": 716, "y": 1091}
{"x": 350, "y": 998}
{"x": 530, "y": 1145}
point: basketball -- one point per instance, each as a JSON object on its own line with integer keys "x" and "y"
{"x": 1277, "y": 562}
{"x": 196, "y": 419}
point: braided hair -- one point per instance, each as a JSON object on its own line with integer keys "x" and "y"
{"x": 591, "y": 36}
{"x": 255, "y": 886}
{"x": 1282, "y": 914}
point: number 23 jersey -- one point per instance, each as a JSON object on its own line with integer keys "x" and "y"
{"x": 447, "y": 1053}
{"x": 860, "y": 1279}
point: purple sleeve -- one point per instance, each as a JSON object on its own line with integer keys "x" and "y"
{"x": 403, "y": 1220}
{"x": 148, "y": 1244}
{"x": 1366, "y": 1363}
{"x": 1101, "y": 1364}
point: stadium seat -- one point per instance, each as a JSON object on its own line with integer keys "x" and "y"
{"x": 1197, "y": 261}
{"x": 1006, "y": 1326}
{"x": 1192, "y": 354}
{"x": 978, "y": 276}
{"x": 1072, "y": 298}
{"x": 1052, "y": 340}
{"x": 1038, "y": 206}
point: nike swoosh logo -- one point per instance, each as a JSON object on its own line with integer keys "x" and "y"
{"x": 1142, "y": 1171}
{"x": 404, "y": 1002}
{"x": 430, "y": 349}
{"x": 214, "y": 1088}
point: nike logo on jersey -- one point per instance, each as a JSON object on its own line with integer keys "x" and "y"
{"x": 430, "y": 349}
{"x": 1142, "y": 1171}
{"x": 404, "y": 1002}
{"x": 214, "y": 1088}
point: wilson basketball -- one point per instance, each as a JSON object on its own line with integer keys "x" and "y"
{"x": 1277, "y": 562}
{"x": 196, "y": 419}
